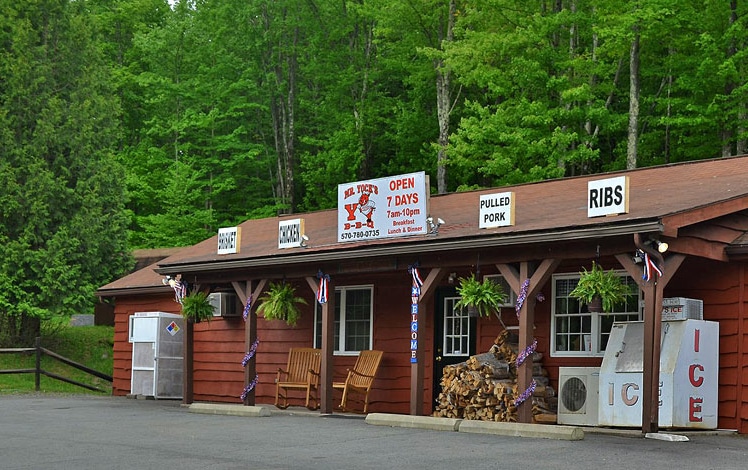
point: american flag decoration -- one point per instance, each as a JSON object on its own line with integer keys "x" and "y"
{"x": 324, "y": 279}
{"x": 417, "y": 281}
{"x": 650, "y": 267}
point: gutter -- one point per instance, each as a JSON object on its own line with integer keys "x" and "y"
{"x": 145, "y": 290}
{"x": 412, "y": 248}
{"x": 737, "y": 252}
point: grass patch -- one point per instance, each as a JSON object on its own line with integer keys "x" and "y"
{"x": 91, "y": 346}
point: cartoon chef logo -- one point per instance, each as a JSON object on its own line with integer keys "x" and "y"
{"x": 367, "y": 207}
{"x": 364, "y": 205}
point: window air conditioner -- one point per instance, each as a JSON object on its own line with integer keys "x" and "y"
{"x": 225, "y": 304}
{"x": 578, "y": 390}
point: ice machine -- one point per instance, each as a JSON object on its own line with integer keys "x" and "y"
{"x": 688, "y": 385}
{"x": 157, "y": 354}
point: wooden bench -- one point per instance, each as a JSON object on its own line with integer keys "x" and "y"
{"x": 301, "y": 373}
{"x": 360, "y": 378}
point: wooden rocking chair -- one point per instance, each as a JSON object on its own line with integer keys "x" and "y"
{"x": 301, "y": 373}
{"x": 360, "y": 378}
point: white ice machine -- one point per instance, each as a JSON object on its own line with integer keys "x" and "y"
{"x": 688, "y": 385}
{"x": 157, "y": 354}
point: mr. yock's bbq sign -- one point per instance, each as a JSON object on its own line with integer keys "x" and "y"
{"x": 381, "y": 208}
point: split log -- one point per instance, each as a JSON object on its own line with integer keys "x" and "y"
{"x": 485, "y": 386}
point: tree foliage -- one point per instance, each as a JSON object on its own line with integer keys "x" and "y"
{"x": 273, "y": 105}
{"x": 61, "y": 199}
{"x": 164, "y": 120}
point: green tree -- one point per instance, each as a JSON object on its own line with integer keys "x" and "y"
{"x": 62, "y": 223}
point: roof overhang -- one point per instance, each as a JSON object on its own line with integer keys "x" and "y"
{"x": 144, "y": 290}
{"x": 411, "y": 248}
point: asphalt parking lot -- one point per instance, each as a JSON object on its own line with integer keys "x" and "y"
{"x": 84, "y": 432}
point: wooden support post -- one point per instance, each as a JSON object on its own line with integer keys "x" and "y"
{"x": 537, "y": 280}
{"x": 328, "y": 346}
{"x": 526, "y": 334}
{"x": 37, "y": 374}
{"x": 188, "y": 375}
{"x": 653, "y": 293}
{"x": 245, "y": 293}
{"x": 416, "y": 368}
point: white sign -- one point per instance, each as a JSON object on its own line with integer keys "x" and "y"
{"x": 608, "y": 197}
{"x": 290, "y": 233}
{"x": 496, "y": 210}
{"x": 386, "y": 207}
{"x": 229, "y": 239}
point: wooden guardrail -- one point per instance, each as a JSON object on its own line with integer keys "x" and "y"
{"x": 39, "y": 351}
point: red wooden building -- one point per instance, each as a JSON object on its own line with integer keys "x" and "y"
{"x": 552, "y": 230}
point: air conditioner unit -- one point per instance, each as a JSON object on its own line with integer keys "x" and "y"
{"x": 225, "y": 304}
{"x": 578, "y": 391}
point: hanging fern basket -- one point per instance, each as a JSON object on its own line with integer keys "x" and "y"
{"x": 280, "y": 302}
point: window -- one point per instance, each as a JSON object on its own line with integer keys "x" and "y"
{"x": 511, "y": 296}
{"x": 577, "y": 332}
{"x": 353, "y": 320}
{"x": 456, "y": 329}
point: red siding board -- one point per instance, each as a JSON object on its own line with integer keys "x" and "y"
{"x": 219, "y": 344}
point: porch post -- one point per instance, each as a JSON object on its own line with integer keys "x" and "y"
{"x": 535, "y": 282}
{"x": 416, "y": 368}
{"x": 188, "y": 370}
{"x": 187, "y": 375}
{"x": 653, "y": 293}
{"x": 245, "y": 294}
{"x": 328, "y": 339}
{"x": 526, "y": 327}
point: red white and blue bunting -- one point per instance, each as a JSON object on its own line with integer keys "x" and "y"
{"x": 180, "y": 287}
{"x": 324, "y": 279}
{"x": 650, "y": 267}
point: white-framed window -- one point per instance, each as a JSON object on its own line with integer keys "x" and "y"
{"x": 354, "y": 320}
{"x": 577, "y": 332}
{"x": 456, "y": 337}
{"x": 511, "y": 296}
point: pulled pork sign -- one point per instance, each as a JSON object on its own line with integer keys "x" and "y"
{"x": 382, "y": 208}
{"x": 496, "y": 210}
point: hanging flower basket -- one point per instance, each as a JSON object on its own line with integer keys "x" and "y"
{"x": 595, "y": 305}
{"x": 598, "y": 285}
{"x": 479, "y": 298}
{"x": 281, "y": 303}
{"x": 196, "y": 307}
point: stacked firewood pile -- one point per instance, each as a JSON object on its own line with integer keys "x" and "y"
{"x": 485, "y": 386}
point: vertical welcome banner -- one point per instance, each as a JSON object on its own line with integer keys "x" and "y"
{"x": 395, "y": 206}
{"x": 415, "y": 295}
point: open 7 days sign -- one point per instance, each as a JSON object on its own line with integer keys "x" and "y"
{"x": 386, "y": 207}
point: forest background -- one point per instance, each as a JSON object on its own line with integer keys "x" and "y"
{"x": 139, "y": 123}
